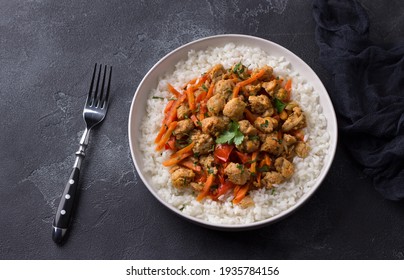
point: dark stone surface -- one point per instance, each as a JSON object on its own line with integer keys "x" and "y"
{"x": 47, "y": 52}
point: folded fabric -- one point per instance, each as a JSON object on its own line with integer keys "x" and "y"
{"x": 367, "y": 91}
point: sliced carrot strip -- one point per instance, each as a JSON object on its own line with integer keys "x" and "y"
{"x": 191, "y": 98}
{"x": 241, "y": 194}
{"x": 185, "y": 150}
{"x": 203, "y": 109}
{"x": 206, "y": 187}
{"x": 299, "y": 134}
{"x": 236, "y": 189}
{"x": 253, "y": 167}
{"x": 259, "y": 180}
{"x": 173, "y": 90}
{"x": 172, "y": 114}
{"x": 236, "y": 90}
{"x": 268, "y": 160}
{"x": 197, "y": 123}
{"x": 188, "y": 163}
{"x": 163, "y": 130}
{"x": 250, "y": 116}
{"x": 169, "y": 106}
{"x": 201, "y": 96}
{"x": 166, "y": 136}
{"x": 288, "y": 88}
{"x": 210, "y": 91}
{"x": 191, "y": 82}
{"x": 288, "y": 85}
{"x": 200, "y": 81}
{"x": 175, "y": 160}
{"x": 252, "y": 78}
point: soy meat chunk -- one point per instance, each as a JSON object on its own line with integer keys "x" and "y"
{"x": 208, "y": 164}
{"x": 183, "y": 128}
{"x": 253, "y": 89}
{"x": 204, "y": 143}
{"x": 295, "y": 121}
{"x": 302, "y": 149}
{"x": 181, "y": 177}
{"x": 249, "y": 145}
{"x": 259, "y": 104}
{"x": 247, "y": 128}
{"x": 237, "y": 173}
{"x": 266, "y": 124}
{"x": 284, "y": 167}
{"x": 183, "y": 112}
{"x": 216, "y": 72}
{"x": 271, "y": 144}
{"x": 234, "y": 109}
{"x": 216, "y": 104}
{"x": 213, "y": 125}
{"x": 282, "y": 94}
{"x": 289, "y": 139}
{"x": 270, "y": 87}
{"x": 267, "y": 74}
{"x": 270, "y": 178}
{"x": 224, "y": 88}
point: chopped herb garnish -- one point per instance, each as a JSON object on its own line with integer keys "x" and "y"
{"x": 240, "y": 166}
{"x": 273, "y": 192}
{"x": 157, "y": 97}
{"x": 279, "y": 105}
{"x": 265, "y": 124}
{"x": 210, "y": 171}
{"x": 199, "y": 123}
{"x": 237, "y": 67}
{"x": 264, "y": 168}
{"x": 204, "y": 87}
{"x": 233, "y": 135}
{"x": 253, "y": 137}
{"x": 252, "y": 161}
{"x": 196, "y": 155}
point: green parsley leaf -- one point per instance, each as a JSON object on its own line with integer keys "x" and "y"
{"x": 226, "y": 137}
{"x": 233, "y": 135}
{"x": 279, "y": 105}
{"x": 238, "y": 137}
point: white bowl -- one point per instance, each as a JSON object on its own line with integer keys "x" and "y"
{"x": 166, "y": 65}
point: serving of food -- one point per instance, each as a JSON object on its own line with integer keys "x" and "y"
{"x": 233, "y": 136}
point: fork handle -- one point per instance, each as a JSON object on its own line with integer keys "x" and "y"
{"x": 69, "y": 198}
{"x": 66, "y": 207}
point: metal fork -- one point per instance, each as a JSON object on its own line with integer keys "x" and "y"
{"x": 94, "y": 113}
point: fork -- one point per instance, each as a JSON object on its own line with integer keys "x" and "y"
{"x": 94, "y": 113}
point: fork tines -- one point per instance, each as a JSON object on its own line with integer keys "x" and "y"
{"x": 96, "y": 97}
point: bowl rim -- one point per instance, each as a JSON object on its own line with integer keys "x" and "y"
{"x": 301, "y": 200}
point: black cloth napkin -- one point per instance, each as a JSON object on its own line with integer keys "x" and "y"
{"x": 367, "y": 91}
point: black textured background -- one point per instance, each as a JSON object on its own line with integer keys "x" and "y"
{"x": 47, "y": 51}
